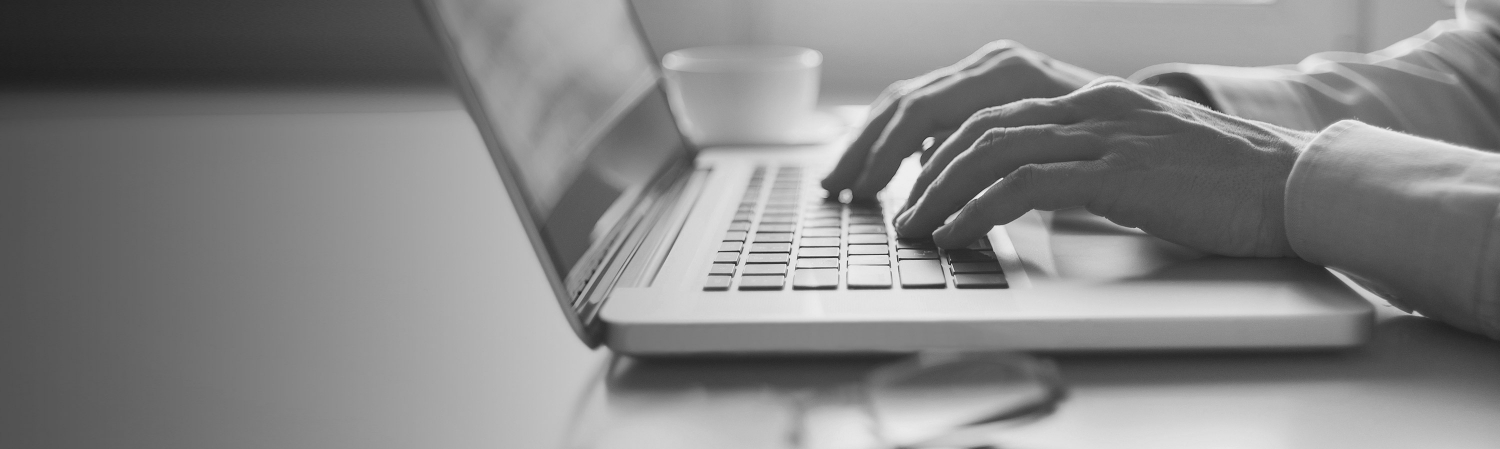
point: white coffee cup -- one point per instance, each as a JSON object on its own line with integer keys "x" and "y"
{"x": 743, "y": 94}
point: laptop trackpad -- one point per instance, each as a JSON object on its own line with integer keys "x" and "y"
{"x": 1075, "y": 246}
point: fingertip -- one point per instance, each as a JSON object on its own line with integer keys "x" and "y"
{"x": 901, "y": 219}
{"x": 942, "y": 236}
{"x": 945, "y": 237}
{"x": 831, "y": 185}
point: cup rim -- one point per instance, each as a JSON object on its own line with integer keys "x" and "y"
{"x": 741, "y": 58}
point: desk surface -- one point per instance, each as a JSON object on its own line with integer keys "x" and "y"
{"x": 1417, "y": 384}
{"x": 243, "y": 279}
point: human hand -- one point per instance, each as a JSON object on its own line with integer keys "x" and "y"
{"x": 1129, "y": 153}
{"x": 935, "y": 104}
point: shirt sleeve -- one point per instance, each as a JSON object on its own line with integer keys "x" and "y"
{"x": 1412, "y": 219}
{"x": 1394, "y": 199}
{"x": 1440, "y": 84}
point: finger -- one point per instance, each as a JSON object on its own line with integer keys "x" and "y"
{"x": 1042, "y": 187}
{"x": 943, "y": 105}
{"x": 996, "y": 154}
{"x": 1013, "y": 115}
{"x": 852, "y": 164}
{"x": 931, "y": 144}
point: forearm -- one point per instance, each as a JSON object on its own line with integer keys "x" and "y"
{"x": 1415, "y": 220}
{"x": 1439, "y": 84}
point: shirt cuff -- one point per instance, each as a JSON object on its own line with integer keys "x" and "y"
{"x": 1258, "y": 93}
{"x": 1408, "y": 218}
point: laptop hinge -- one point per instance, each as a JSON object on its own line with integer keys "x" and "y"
{"x": 642, "y": 269}
{"x": 645, "y": 221}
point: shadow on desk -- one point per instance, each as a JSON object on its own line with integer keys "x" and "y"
{"x": 1417, "y": 382}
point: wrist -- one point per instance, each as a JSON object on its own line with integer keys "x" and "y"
{"x": 1184, "y": 86}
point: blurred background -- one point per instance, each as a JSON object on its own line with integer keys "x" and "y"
{"x": 222, "y": 280}
{"x": 867, "y": 43}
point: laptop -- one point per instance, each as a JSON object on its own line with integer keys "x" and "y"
{"x": 656, "y": 246}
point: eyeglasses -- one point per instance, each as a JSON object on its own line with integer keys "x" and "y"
{"x": 948, "y": 399}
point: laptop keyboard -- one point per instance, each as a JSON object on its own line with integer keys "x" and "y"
{"x": 786, "y": 234}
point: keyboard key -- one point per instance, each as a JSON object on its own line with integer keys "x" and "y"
{"x": 768, "y": 258}
{"x": 776, "y": 227}
{"x": 727, "y": 257}
{"x": 915, "y": 244}
{"x": 868, "y": 249}
{"x": 821, "y": 262}
{"x": 823, "y": 223}
{"x": 976, "y": 267}
{"x": 879, "y": 259}
{"x": 969, "y": 255}
{"x": 980, "y": 280}
{"x": 982, "y": 243}
{"x": 773, "y": 237}
{"x": 818, "y": 252}
{"x": 742, "y": 216}
{"x": 912, "y": 253}
{"x": 778, "y": 218}
{"x": 731, "y": 246}
{"x": 765, "y": 268}
{"x": 815, "y": 278}
{"x": 867, "y": 239}
{"x": 722, "y": 268}
{"x": 773, "y": 282}
{"x": 734, "y": 236}
{"x": 921, "y": 274}
{"x": 819, "y": 241}
{"x": 867, "y": 229}
{"x": 770, "y": 247}
{"x": 821, "y": 232}
{"x": 869, "y": 277}
{"x": 739, "y": 226}
{"x": 824, "y": 213}
{"x": 716, "y": 283}
{"x": 866, "y": 219}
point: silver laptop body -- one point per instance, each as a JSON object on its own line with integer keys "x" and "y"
{"x": 628, "y": 220}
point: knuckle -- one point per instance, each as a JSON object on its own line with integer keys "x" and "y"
{"x": 901, "y": 88}
{"x": 991, "y": 136}
{"x": 984, "y": 118}
{"x": 914, "y": 103}
{"x": 1115, "y": 90}
{"x": 1001, "y": 45}
{"x": 1023, "y": 178}
{"x": 1115, "y": 95}
{"x": 1043, "y": 133}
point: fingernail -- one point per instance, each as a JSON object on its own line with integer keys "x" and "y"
{"x": 941, "y": 233}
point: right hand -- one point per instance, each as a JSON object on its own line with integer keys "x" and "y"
{"x": 935, "y": 104}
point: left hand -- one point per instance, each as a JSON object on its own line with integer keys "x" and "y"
{"x": 1129, "y": 153}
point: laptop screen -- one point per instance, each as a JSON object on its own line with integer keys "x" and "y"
{"x": 570, "y": 92}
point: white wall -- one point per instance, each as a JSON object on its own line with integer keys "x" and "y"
{"x": 869, "y": 43}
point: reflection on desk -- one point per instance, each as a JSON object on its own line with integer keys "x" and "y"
{"x": 1418, "y": 383}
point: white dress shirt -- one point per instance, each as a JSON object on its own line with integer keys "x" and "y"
{"x": 1395, "y": 190}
